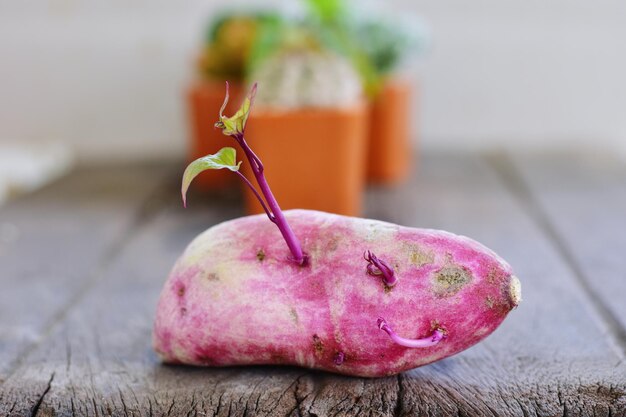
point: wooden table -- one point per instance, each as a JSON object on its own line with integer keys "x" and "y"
{"x": 83, "y": 260}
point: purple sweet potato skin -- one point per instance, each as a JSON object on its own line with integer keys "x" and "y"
{"x": 234, "y": 298}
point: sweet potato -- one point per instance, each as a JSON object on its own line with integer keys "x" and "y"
{"x": 348, "y": 295}
{"x": 234, "y": 297}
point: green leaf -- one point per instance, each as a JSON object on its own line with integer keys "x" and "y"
{"x": 327, "y": 10}
{"x": 270, "y": 37}
{"x": 224, "y": 158}
{"x": 236, "y": 124}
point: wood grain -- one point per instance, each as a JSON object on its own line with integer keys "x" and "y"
{"x": 583, "y": 198}
{"x": 54, "y": 243}
{"x": 551, "y": 357}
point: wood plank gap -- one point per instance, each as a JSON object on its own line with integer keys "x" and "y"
{"x": 153, "y": 204}
{"x": 397, "y": 409}
{"x": 503, "y": 165}
{"x": 35, "y": 410}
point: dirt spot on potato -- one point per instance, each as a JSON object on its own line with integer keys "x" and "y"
{"x": 213, "y": 277}
{"x": 489, "y": 302}
{"x": 420, "y": 258}
{"x": 183, "y": 311}
{"x": 294, "y": 315}
{"x": 449, "y": 280}
{"x": 318, "y": 345}
{"x": 260, "y": 255}
{"x": 181, "y": 290}
{"x": 279, "y": 358}
{"x": 205, "y": 360}
{"x": 333, "y": 243}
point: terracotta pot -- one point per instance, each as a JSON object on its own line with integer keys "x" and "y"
{"x": 313, "y": 158}
{"x": 204, "y": 99}
{"x": 390, "y": 153}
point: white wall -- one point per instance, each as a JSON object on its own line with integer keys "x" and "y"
{"x": 107, "y": 77}
{"x": 525, "y": 73}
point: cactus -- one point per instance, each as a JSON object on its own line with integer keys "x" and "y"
{"x": 301, "y": 77}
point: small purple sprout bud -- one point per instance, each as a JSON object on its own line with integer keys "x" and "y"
{"x": 437, "y": 335}
{"x": 339, "y": 358}
{"x": 377, "y": 267}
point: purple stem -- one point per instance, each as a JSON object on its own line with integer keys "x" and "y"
{"x": 275, "y": 213}
{"x": 432, "y": 340}
{"x": 256, "y": 193}
{"x": 377, "y": 266}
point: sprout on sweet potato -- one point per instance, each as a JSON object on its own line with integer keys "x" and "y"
{"x": 235, "y": 127}
{"x": 437, "y": 336}
{"x": 378, "y": 267}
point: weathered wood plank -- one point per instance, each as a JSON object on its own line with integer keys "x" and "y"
{"x": 549, "y": 358}
{"x": 54, "y": 242}
{"x": 584, "y": 198}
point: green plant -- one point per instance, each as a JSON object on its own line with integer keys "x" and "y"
{"x": 229, "y": 41}
{"x": 374, "y": 45}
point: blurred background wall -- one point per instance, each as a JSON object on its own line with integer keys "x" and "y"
{"x": 108, "y": 77}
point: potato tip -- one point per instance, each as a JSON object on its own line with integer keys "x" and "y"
{"x": 515, "y": 291}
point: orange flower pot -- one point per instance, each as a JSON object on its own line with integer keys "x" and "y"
{"x": 390, "y": 153}
{"x": 204, "y": 100}
{"x": 313, "y": 158}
